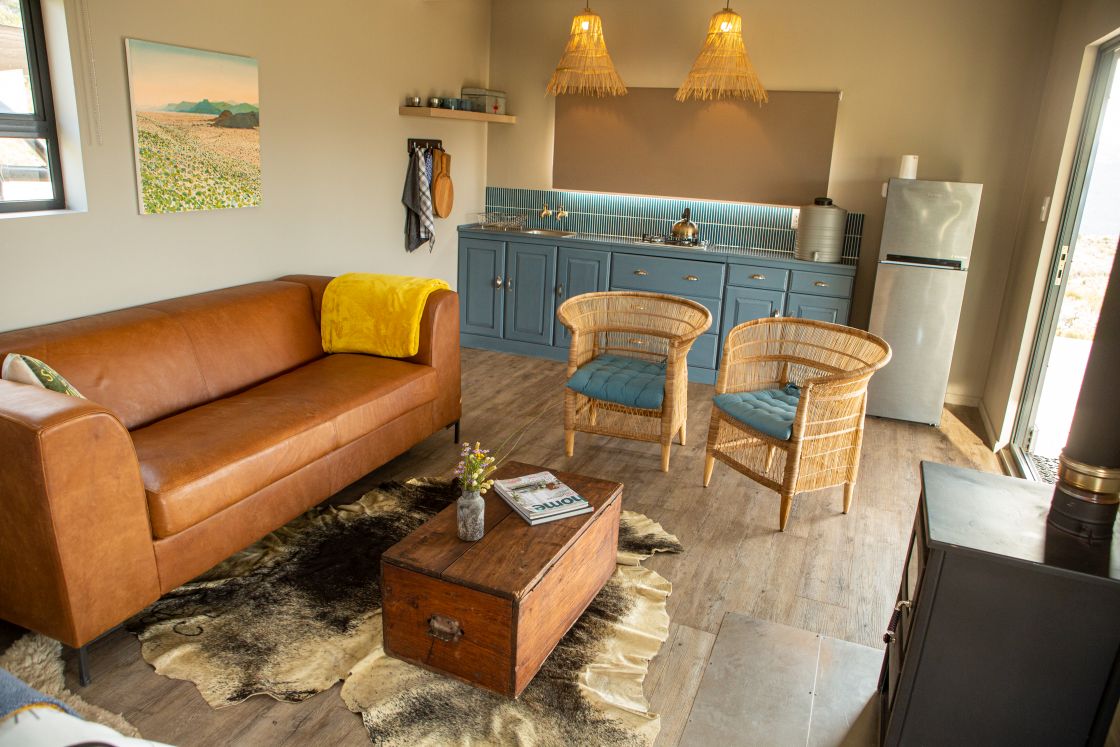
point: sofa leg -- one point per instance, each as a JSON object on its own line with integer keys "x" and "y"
{"x": 84, "y": 677}
{"x": 455, "y": 425}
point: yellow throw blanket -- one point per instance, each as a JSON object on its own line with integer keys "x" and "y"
{"x": 375, "y": 314}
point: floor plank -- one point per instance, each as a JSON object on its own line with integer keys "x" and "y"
{"x": 674, "y": 678}
{"x": 828, "y": 572}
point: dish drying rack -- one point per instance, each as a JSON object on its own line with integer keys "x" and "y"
{"x": 501, "y": 221}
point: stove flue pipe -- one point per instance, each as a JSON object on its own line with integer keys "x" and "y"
{"x": 1088, "y": 491}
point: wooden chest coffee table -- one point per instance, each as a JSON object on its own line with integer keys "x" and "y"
{"x": 490, "y": 612}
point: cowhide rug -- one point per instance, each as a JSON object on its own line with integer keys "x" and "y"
{"x": 301, "y": 610}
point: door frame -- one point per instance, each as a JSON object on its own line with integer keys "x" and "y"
{"x": 1088, "y": 142}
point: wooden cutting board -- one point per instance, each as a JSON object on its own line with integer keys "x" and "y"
{"x": 443, "y": 191}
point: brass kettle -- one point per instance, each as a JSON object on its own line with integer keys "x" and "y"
{"x": 685, "y": 228}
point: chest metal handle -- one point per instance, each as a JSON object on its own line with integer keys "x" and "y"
{"x": 821, "y": 284}
{"x": 692, "y": 278}
{"x": 640, "y": 273}
{"x": 444, "y": 628}
{"x": 756, "y": 276}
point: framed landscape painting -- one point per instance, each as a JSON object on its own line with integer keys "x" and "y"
{"x": 195, "y": 127}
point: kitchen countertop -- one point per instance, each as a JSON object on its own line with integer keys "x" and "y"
{"x": 718, "y": 253}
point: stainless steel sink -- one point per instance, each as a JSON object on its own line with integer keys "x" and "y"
{"x": 545, "y": 232}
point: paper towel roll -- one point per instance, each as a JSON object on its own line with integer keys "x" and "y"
{"x": 908, "y": 169}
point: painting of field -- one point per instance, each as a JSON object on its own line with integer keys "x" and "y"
{"x": 196, "y": 125}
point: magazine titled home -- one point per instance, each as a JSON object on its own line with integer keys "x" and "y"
{"x": 541, "y": 497}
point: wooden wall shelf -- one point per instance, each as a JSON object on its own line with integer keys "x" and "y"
{"x": 427, "y": 111}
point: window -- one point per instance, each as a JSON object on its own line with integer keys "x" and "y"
{"x": 29, "y": 172}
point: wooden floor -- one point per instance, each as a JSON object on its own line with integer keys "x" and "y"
{"x": 827, "y": 573}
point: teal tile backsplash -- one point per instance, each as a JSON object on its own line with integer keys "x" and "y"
{"x": 724, "y": 224}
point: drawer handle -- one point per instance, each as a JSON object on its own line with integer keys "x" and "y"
{"x": 756, "y": 276}
{"x": 498, "y": 281}
{"x": 640, "y": 273}
{"x": 559, "y": 290}
{"x": 821, "y": 284}
{"x": 691, "y": 278}
{"x": 444, "y": 628}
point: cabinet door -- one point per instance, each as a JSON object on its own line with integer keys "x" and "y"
{"x": 578, "y": 271}
{"x": 744, "y": 304}
{"x": 821, "y": 308}
{"x": 481, "y": 290}
{"x": 530, "y": 292}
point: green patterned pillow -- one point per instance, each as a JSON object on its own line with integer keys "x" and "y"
{"x": 28, "y": 370}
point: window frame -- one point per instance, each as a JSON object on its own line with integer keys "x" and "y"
{"x": 41, "y": 123}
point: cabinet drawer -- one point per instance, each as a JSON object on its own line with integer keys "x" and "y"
{"x": 703, "y": 351}
{"x": 821, "y": 308}
{"x": 821, "y": 284}
{"x": 681, "y": 277}
{"x": 754, "y": 276}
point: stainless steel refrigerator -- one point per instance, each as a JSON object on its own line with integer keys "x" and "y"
{"x": 919, "y": 286}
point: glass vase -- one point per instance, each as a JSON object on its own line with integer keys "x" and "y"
{"x": 472, "y": 516}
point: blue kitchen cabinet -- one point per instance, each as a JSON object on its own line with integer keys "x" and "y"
{"x": 744, "y": 304}
{"x": 510, "y": 290}
{"x": 530, "y": 289}
{"x": 820, "y": 308}
{"x": 578, "y": 271}
{"x": 482, "y": 275}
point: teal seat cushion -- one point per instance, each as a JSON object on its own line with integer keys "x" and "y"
{"x": 769, "y": 411}
{"x": 624, "y": 381}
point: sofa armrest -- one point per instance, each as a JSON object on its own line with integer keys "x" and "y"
{"x": 439, "y": 348}
{"x": 75, "y": 540}
{"x": 439, "y": 343}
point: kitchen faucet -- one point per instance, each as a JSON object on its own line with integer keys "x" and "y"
{"x": 561, "y": 212}
{"x": 545, "y": 212}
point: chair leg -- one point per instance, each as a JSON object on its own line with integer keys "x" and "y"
{"x": 849, "y": 493}
{"x": 709, "y": 465}
{"x": 787, "y": 504}
{"x": 682, "y": 432}
{"x": 664, "y": 457}
{"x": 569, "y": 442}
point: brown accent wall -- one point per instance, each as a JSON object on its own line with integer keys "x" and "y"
{"x": 648, "y": 143}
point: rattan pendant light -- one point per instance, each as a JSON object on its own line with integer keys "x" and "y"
{"x": 722, "y": 69}
{"x": 586, "y": 67}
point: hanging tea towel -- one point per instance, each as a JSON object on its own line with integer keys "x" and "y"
{"x": 419, "y": 222}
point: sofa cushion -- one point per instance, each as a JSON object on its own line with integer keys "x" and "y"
{"x": 201, "y": 461}
{"x": 246, "y": 334}
{"x": 152, "y": 361}
{"x": 137, "y": 362}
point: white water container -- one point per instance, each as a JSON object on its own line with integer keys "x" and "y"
{"x": 820, "y": 232}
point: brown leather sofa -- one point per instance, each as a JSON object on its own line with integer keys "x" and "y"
{"x": 210, "y": 421}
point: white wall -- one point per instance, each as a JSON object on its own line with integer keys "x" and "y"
{"x": 956, "y": 82}
{"x": 332, "y": 74}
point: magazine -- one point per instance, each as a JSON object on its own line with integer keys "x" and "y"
{"x": 541, "y": 497}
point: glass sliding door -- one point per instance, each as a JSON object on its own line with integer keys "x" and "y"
{"x": 1088, "y": 237}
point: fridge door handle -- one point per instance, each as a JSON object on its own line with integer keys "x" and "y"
{"x": 893, "y": 263}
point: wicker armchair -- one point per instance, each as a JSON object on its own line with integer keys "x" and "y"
{"x": 627, "y": 368}
{"x": 790, "y": 404}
